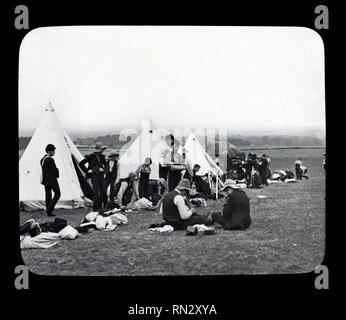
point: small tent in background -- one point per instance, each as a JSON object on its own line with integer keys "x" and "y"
{"x": 73, "y": 186}
{"x": 149, "y": 143}
{"x": 197, "y": 155}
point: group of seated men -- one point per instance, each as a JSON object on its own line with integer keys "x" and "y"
{"x": 177, "y": 211}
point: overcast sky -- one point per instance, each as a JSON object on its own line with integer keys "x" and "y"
{"x": 228, "y": 77}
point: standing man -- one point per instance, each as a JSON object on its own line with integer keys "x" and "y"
{"x": 175, "y": 164}
{"x": 96, "y": 171}
{"x": 50, "y": 175}
{"x": 297, "y": 165}
{"x": 143, "y": 172}
{"x": 263, "y": 168}
{"x": 248, "y": 165}
{"x": 236, "y": 211}
{"x": 112, "y": 172}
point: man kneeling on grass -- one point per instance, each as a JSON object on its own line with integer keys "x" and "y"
{"x": 175, "y": 211}
{"x": 236, "y": 210}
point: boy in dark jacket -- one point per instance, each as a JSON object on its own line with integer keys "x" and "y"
{"x": 50, "y": 175}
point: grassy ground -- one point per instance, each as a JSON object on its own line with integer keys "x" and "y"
{"x": 286, "y": 236}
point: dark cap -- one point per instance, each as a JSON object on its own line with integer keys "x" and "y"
{"x": 50, "y": 147}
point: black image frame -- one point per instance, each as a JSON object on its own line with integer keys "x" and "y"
{"x": 128, "y": 291}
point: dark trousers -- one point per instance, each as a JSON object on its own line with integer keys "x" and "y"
{"x": 50, "y": 203}
{"x": 109, "y": 181}
{"x": 228, "y": 225}
{"x": 248, "y": 176}
{"x": 99, "y": 191}
{"x": 143, "y": 186}
{"x": 298, "y": 173}
{"x": 194, "y": 219}
{"x": 263, "y": 174}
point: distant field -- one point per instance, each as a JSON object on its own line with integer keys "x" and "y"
{"x": 287, "y": 236}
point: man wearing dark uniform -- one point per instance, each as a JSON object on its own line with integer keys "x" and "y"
{"x": 236, "y": 211}
{"x": 96, "y": 171}
{"x": 263, "y": 168}
{"x": 50, "y": 175}
{"x": 297, "y": 164}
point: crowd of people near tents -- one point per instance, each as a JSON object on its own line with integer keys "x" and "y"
{"x": 174, "y": 192}
{"x": 173, "y": 180}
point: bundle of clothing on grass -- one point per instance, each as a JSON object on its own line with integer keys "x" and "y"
{"x": 34, "y": 235}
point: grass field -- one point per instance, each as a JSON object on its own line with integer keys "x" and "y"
{"x": 286, "y": 236}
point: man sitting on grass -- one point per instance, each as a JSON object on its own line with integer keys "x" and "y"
{"x": 175, "y": 211}
{"x": 236, "y": 210}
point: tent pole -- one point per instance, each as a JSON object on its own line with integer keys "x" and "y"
{"x": 217, "y": 187}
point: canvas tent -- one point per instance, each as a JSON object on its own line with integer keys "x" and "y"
{"x": 197, "y": 155}
{"x": 149, "y": 143}
{"x": 73, "y": 186}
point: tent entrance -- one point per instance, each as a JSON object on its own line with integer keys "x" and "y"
{"x": 84, "y": 185}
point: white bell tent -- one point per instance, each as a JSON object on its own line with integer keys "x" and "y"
{"x": 149, "y": 143}
{"x": 195, "y": 154}
{"x": 73, "y": 185}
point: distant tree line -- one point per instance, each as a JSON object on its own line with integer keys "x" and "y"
{"x": 285, "y": 141}
{"x": 113, "y": 141}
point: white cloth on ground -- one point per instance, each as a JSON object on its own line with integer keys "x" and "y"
{"x": 104, "y": 223}
{"x": 42, "y": 241}
{"x": 165, "y": 229}
{"x": 68, "y": 233}
{"x": 290, "y": 180}
{"x": 118, "y": 219}
{"x": 142, "y": 203}
{"x": 273, "y": 181}
{"x": 202, "y": 227}
{"x": 91, "y": 216}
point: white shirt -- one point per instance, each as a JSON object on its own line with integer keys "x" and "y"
{"x": 179, "y": 201}
{"x": 111, "y": 164}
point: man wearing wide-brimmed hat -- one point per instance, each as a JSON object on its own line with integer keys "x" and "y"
{"x": 96, "y": 172}
{"x": 175, "y": 211}
{"x": 236, "y": 211}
